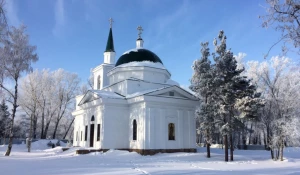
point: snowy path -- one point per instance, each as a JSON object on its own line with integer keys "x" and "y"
{"x": 54, "y": 161}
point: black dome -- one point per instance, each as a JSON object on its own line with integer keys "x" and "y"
{"x": 138, "y": 55}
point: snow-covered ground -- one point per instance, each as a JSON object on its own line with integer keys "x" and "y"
{"x": 43, "y": 161}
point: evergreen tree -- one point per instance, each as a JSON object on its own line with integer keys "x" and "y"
{"x": 4, "y": 119}
{"x": 235, "y": 93}
{"x": 202, "y": 85}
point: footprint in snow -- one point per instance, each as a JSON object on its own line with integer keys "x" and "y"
{"x": 139, "y": 170}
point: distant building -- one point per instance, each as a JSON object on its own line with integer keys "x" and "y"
{"x": 135, "y": 106}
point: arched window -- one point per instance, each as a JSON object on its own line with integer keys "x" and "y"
{"x": 98, "y": 82}
{"x": 171, "y": 129}
{"x": 93, "y": 118}
{"x": 134, "y": 128}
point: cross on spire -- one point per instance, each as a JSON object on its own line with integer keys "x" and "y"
{"x": 140, "y": 29}
{"x": 110, "y": 22}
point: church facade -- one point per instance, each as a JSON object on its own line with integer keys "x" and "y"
{"x": 135, "y": 106}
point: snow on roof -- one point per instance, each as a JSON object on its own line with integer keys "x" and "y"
{"x": 172, "y": 82}
{"x": 132, "y": 50}
{"x": 106, "y": 94}
{"x": 143, "y": 92}
{"x": 143, "y": 63}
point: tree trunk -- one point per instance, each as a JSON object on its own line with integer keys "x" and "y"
{"x": 226, "y": 148}
{"x": 250, "y": 134}
{"x": 231, "y": 147}
{"x": 207, "y": 144}
{"x": 68, "y": 128}
{"x": 30, "y": 133}
{"x": 239, "y": 140}
{"x": 43, "y": 120}
{"x": 265, "y": 138}
{"x": 11, "y": 133}
{"x": 272, "y": 153}
{"x": 55, "y": 129}
{"x": 58, "y": 120}
{"x": 34, "y": 126}
{"x": 46, "y": 129}
{"x": 281, "y": 149}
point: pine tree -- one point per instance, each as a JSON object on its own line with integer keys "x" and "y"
{"x": 232, "y": 89}
{"x": 4, "y": 119}
{"x": 202, "y": 85}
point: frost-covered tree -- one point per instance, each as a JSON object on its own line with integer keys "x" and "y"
{"x": 235, "y": 93}
{"x": 4, "y": 119}
{"x": 67, "y": 85}
{"x": 3, "y": 21}
{"x": 48, "y": 96}
{"x": 279, "y": 85}
{"x": 3, "y": 32}
{"x": 284, "y": 15}
{"x": 16, "y": 56}
{"x": 202, "y": 85}
{"x": 227, "y": 97}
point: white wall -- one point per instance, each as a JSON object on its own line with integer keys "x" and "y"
{"x": 102, "y": 71}
{"x": 115, "y": 126}
{"x": 85, "y": 119}
{"x": 156, "y": 129}
{"x": 137, "y": 112}
{"x": 145, "y": 73}
{"x": 132, "y": 86}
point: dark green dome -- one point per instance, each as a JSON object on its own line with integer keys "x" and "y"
{"x": 138, "y": 55}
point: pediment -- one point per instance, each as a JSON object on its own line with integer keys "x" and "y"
{"x": 92, "y": 95}
{"x": 173, "y": 92}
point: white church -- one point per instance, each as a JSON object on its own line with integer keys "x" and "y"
{"x": 135, "y": 106}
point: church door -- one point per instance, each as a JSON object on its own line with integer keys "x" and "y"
{"x": 92, "y": 135}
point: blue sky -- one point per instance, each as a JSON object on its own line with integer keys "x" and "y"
{"x": 72, "y": 34}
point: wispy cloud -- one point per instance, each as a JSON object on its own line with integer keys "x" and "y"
{"x": 11, "y": 13}
{"x": 60, "y": 20}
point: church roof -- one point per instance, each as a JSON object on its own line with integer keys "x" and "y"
{"x": 110, "y": 42}
{"x": 138, "y": 54}
{"x": 95, "y": 94}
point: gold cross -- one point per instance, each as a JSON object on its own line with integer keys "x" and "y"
{"x": 140, "y": 29}
{"x": 110, "y": 22}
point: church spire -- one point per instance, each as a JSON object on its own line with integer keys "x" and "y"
{"x": 109, "y": 54}
{"x": 139, "y": 41}
{"x": 110, "y": 41}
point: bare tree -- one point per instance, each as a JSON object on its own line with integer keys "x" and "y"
{"x": 67, "y": 85}
{"x": 16, "y": 57}
{"x": 284, "y": 15}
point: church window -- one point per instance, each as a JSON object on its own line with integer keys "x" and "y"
{"x": 98, "y": 82}
{"x": 171, "y": 131}
{"x": 134, "y": 129}
{"x": 93, "y": 118}
{"x": 98, "y": 132}
{"x": 171, "y": 93}
{"x": 81, "y": 136}
{"x": 85, "y": 134}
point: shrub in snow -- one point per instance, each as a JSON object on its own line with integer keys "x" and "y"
{"x": 49, "y": 144}
{"x": 57, "y": 143}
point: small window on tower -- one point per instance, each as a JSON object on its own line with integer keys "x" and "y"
{"x": 171, "y": 93}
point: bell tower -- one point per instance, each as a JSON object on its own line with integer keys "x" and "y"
{"x": 100, "y": 72}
